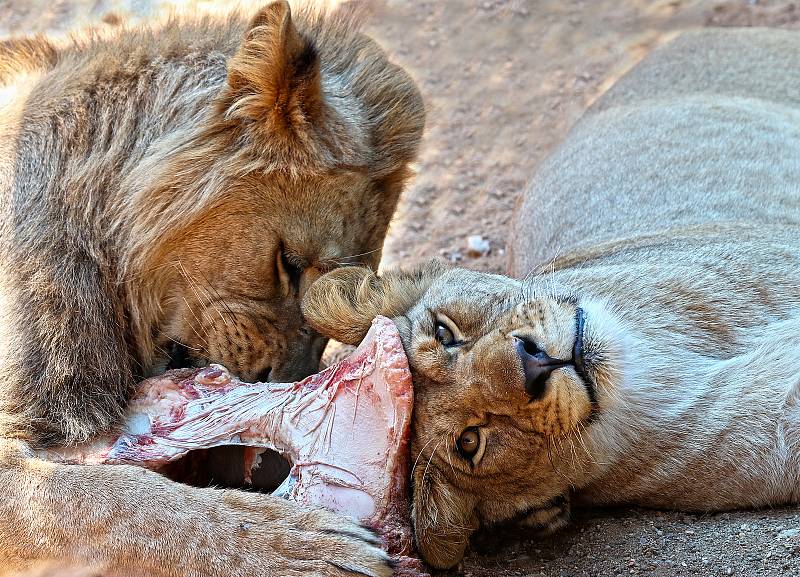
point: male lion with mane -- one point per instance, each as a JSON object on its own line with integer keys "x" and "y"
{"x": 167, "y": 196}
{"x": 653, "y": 359}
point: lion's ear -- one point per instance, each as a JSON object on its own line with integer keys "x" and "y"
{"x": 343, "y": 302}
{"x": 274, "y": 77}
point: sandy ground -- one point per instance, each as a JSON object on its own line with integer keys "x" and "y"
{"x": 504, "y": 80}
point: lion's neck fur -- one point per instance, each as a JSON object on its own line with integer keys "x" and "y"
{"x": 703, "y": 408}
{"x": 157, "y": 108}
{"x": 692, "y": 431}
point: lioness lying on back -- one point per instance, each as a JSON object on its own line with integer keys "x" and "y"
{"x": 167, "y": 195}
{"x": 657, "y": 361}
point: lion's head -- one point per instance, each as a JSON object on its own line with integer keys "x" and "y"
{"x": 291, "y": 164}
{"x": 506, "y": 375}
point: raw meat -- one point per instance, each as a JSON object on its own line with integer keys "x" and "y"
{"x": 344, "y": 430}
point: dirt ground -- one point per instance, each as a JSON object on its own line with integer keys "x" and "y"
{"x": 504, "y": 80}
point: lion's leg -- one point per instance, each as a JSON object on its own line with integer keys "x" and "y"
{"x": 131, "y": 521}
{"x": 66, "y": 370}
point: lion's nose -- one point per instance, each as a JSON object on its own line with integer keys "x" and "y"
{"x": 537, "y": 366}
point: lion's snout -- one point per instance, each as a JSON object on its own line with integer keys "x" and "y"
{"x": 537, "y": 366}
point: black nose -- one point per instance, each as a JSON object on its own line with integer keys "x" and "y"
{"x": 537, "y": 365}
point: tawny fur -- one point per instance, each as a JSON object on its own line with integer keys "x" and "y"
{"x": 174, "y": 190}
{"x": 670, "y": 217}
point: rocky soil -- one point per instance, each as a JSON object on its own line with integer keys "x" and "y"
{"x": 504, "y": 80}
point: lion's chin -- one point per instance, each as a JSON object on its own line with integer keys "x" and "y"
{"x": 579, "y": 359}
{"x": 601, "y": 354}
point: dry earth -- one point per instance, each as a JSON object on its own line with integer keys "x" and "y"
{"x": 504, "y": 80}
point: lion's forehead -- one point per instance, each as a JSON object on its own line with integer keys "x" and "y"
{"x": 473, "y": 300}
{"x": 471, "y": 287}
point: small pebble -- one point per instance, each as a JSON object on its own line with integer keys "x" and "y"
{"x": 455, "y": 256}
{"x": 478, "y": 246}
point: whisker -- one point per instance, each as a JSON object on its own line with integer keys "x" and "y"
{"x": 573, "y": 452}
{"x": 341, "y": 258}
{"x": 581, "y": 429}
{"x": 180, "y": 343}
{"x": 192, "y": 285}
{"x": 425, "y": 472}
{"x": 449, "y": 455}
{"x": 416, "y": 461}
{"x": 191, "y": 326}
{"x": 219, "y": 299}
{"x": 552, "y": 462}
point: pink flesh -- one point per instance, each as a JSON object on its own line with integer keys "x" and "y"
{"x": 345, "y": 431}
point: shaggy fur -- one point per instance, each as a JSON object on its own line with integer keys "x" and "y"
{"x": 167, "y": 196}
{"x": 670, "y": 218}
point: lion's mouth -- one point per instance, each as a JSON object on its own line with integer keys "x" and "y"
{"x": 179, "y": 356}
{"x": 578, "y": 359}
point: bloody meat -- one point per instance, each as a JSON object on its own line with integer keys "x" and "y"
{"x": 344, "y": 430}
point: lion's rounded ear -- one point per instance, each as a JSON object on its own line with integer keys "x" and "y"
{"x": 274, "y": 77}
{"x": 342, "y": 303}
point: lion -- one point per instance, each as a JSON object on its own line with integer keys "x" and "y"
{"x": 645, "y": 350}
{"x": 167, "y": 196}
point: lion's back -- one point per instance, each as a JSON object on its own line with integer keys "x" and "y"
{"x": 705, "y": 129}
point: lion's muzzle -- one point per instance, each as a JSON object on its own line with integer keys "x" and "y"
{"x": 537, "y": 366}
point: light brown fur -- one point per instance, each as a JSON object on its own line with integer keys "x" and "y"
{"x": 167, "y": 195}
{"x": 670, "y": 216}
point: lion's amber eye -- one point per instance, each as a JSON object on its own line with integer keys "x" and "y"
{"x": 469, "y": 442}
{"x": 444, "y": 335}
